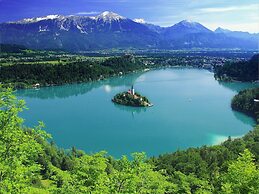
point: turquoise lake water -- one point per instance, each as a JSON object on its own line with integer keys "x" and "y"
{"x": 190, "y": 109}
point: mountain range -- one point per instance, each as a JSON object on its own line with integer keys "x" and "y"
{"x": 110, "y": 30}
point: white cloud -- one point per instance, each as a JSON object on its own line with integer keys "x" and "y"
{"x": 251, "y": 7}
{"x": 88, "y": 13}
{"x": 140, "y": 20}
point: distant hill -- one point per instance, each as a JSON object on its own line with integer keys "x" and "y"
{"x": 185, "y": 27}
{"x": 240, "y": 71}
{"x": 110, "y": 30}
{"x": 11, "y": 48}
{"x": 188, "y": 34}
{"x": 238, "y": 34}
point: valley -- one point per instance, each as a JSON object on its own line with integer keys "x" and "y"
{"x": 153, "y": 97}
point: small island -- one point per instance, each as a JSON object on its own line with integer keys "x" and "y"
{"x": 131, "y": 98}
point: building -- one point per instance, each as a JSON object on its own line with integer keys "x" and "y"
{"x": 132, "y": 90}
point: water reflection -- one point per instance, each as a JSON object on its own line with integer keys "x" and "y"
{"x": 238, "y": 86}
{"x": 243, "y": 118}
{"x": 58, "y": 91}
{"x": 132, "y": 110}
{"x": 69, "y": 90}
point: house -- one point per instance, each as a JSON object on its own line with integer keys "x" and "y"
{"x": 36, "y": 85}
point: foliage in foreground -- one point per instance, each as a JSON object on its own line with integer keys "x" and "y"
{"x": 18, "y": 147}
{"x": 29, "y": 164}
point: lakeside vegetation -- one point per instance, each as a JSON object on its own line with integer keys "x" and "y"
{"x": 24, "y": 68}
{"x": 246, "y": 102}
{"x": 30, "y": 164}
{"x": 45, "y": 74}
{"x": 239, "y": 71}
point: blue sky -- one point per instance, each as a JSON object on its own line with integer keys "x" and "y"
{"x": 231, "y": 14}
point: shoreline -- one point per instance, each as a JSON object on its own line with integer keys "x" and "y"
{"x": 100, "y": 79}
{"x": 192, "y": 146}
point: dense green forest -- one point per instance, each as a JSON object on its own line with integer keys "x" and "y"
{"x": 25, "y": 75}
{"x": 239, "y": 71}
{"x": 30, "y": 164}
{"x": 11, "y": 48}
{"x": 245, "y": 101}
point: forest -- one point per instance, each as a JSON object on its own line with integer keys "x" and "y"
{"x": 31, "y": 163}
{"x": 245, "y": 101}
{"x": 24, "y": 75}
{"x": 11, "y": 48}
{"x": 239, "y": 71}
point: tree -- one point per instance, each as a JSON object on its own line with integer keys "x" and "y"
{"x": 242, "y": 176}
{"x": 18, "y": 147}
{"x": 137, "y": 176}
{"x": 191, "y": 184}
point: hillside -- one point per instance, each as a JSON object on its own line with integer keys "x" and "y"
{"x": 11, "y": 48}
{"x": 245, "y": 102}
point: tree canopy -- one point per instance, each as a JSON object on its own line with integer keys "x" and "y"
{"x": 240, "y": 71}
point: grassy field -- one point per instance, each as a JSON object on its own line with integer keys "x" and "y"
{"x": 44, "y": 57}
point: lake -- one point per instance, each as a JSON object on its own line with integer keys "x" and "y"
{"x": 190, "y": 109}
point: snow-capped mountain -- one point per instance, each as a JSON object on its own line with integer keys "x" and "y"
{"x": 109, "y": 16}
{"x": 82, "y": 24}
{"x": 185, "y": 27}
{"x": 111, "y": 30}
{"x": 105, "y": 16}
{"x": 106, "y": 30}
